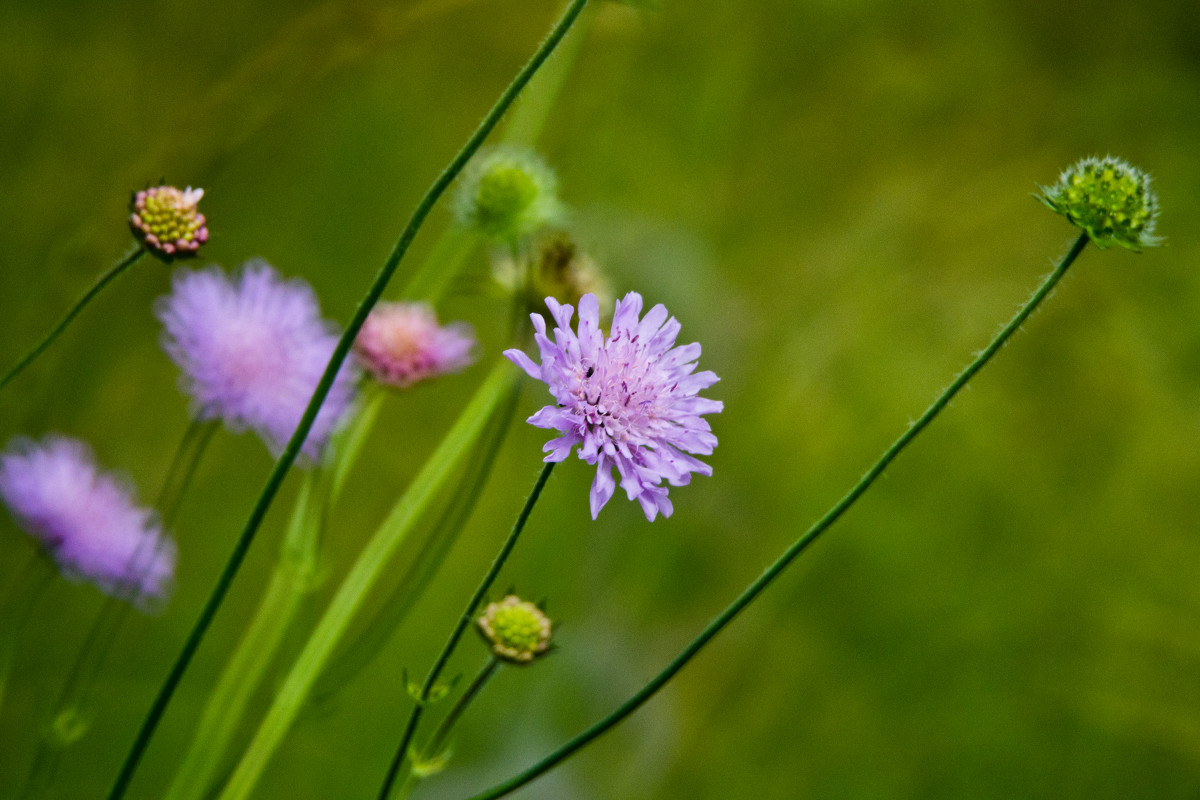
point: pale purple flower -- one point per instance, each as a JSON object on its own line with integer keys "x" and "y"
{"x": 86, "y": 520}
{"x": 402, "y": 343}
{"x": 252, "y": 348}
{"x": 629, "y": 401}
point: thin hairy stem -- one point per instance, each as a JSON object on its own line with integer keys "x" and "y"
{"x": 128, "y": 260}
{"x": 797, "y": 547}
{"x": 292, "y": 450}
{"x": 463, "y": 623}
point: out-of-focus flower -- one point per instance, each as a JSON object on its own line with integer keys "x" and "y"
{"x": 167, "y": 221}
{"x": 518, "y": 631}
{"x": 507, "y": 193}
{"x": 252, "y": 348}
{"x": 1109, "y": 199}
{"x": 87, "y": 521}
{"x": 402, "y": 343}
{"x": 629, "y": 401}
{"x": 557, "y": 268}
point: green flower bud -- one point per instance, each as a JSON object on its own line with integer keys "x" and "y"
{"x": 517, "y": 631}
{"x": 1109, "y": 199}
{"x": 507, "y": 194}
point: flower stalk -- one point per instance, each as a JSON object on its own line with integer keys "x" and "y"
{"x": 799, "y": 546}
{"x": 292, "y": 450}
{"x": 127, "y": 261}
{"x": 464, "y": 622}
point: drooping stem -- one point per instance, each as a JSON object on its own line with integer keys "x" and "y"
{"x": 460, "y": 628}
{"x": 796, "y": 548}
{"x": 128, "y": 260}
{"x": 292, "y": 450}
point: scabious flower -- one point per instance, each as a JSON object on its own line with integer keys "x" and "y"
{"x": 87, "y": 521}
{"x": 252, "y": 348}
{"x": 1109, "y": 199}
{"x": 402, "y": 343}
{"x": 167, "y": 221}
{"x": 507, "y": 193}
{"x": 629, "y": 401}
{"x": 517, "y": 631}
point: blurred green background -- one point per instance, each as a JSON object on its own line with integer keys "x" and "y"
{"x": 834, "y": 199}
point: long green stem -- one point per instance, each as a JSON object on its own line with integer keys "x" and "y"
{"x": 292, "y": 450}
{"x": 433, "y": 758}
{"x": 128, "y": 260}
{"x": 71, "y": 717}
{"x": 346, "y": 665}
{"x": 373, "y": 561}
{"x": 463, "y": 623}
{"x": 797, "y": 547}
{"x": 291, "y": 581}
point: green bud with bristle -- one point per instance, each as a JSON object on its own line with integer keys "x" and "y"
{"x": 507, "y": 194}
{"x": 518, "y": 631}
{"x": 1109, "y": 199}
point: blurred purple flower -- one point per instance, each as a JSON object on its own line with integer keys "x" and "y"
{"x": 629, "y": 401}
{"x": 402, "y": 343}
{"x": 252, "y": 348}
{"x": 86, "y": 520}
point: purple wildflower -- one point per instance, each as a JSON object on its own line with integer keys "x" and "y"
{"x": 402, "y": 343}
{"x": 252, "y": 348}
{"x": 86, "y": 520}
{"x": 629, "y": 401}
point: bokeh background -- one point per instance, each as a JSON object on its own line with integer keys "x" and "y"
{"x": 835, "y": 199}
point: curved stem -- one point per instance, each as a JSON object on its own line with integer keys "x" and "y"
{"x": 292, "y": 450}
{"x": 463, "y": 623}
{"x": 797, "y": 547}
{"x": 128, "y": 260}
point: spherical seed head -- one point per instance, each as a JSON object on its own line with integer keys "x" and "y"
{"x": 507, "y": 194}
{"x": 167, "y": 221}
{"x": 517, "y": 631}
{"x": 1109, "y": 199}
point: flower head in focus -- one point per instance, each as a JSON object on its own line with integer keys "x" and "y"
{"x": 507, "y": 193}
{"x": 87, "y": 521}
{"x": 402, "y": 343}
{"x": 167, "y": 221}
{"x": 1109, "y": 199}
{"x": 517, "y": 631}
{"x": 629, "y": 401}
{"x": 252, "y": 348}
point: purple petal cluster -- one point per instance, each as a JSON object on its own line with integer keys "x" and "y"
{"x": 401, "y": 344}
{"x": 86, "y": 520}
{"x": 252, "y": 348}
{"x": 629, "y": 401}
